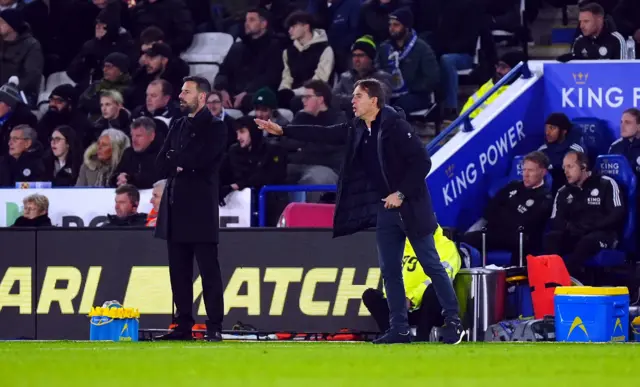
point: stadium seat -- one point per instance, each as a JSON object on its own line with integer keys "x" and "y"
{"x": 596, "y": 136}
{"x": 54, "y": 80}
{"x": 234, "y": 113}
{"x": 208, "y": 48}
{"x": 515, "y": 173}
{"x": 307, "y": 215}
{"x": 617, "y": 167}
{"x": 208, "y": 71}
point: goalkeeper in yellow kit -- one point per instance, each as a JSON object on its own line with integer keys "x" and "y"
{"x": 424, "y": 308}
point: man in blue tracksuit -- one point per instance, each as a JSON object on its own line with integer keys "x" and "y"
{"x": 382, "y": 185}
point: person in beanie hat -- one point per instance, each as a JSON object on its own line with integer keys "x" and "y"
{"x": 62, "y": 111}
{"x": 504, "y": 65}
{"x": 109, "y": 37}
{"x": 413, "y": 66}
{"x": 265, "y": 103}
{"x": 13, "y": 112}
{"x": 116, "y": 77}
{"x": 559, "y": 139}
{"x": 363, "y": 54}
{"x": 20, "y": 54}
{"x": 374, "y": 19}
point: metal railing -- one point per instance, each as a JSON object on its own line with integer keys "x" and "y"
{"x": 262, "y": 197}
{"x": 522, "y": 69}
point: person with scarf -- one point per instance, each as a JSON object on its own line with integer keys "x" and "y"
{"x": 410, "y": 61}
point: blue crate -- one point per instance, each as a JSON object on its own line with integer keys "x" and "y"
{"x": 114, "y": 324}
{"x": 588, "y": 314}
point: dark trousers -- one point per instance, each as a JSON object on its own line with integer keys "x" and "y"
{"x": 425, "y": 318}
{"x": 499, "y": 240}
{"x": 576, "y": 250}
{"x": 181, "y": 275}
{"x": 390, "y": 237}
{"x": 412, "y": 102}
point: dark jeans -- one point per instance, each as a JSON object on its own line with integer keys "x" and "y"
{"x": 500, "y": 240}
{"x": 181, "y": 275}
{"x": 390, "y": 237}
{"x": 425, "y": 318}
{"x": 412, "y": 102}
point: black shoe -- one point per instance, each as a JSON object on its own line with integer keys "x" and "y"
{"x": 214, "y": 337}
{"x": 176, "y": 335}
{"x": 453, "y": 332}
{"x": 394, "y": 337}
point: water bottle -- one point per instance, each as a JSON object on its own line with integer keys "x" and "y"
{"x": 631, "y": 48}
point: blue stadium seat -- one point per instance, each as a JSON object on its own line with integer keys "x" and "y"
{"x": 617, "y": 167}
{"x": 596, "y": 136}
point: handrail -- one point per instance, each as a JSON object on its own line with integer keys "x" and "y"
{"x": 262, "y": 197}
{"x": 521, "y": 69}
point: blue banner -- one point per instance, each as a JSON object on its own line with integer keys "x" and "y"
{"x": 601, "y": 89}
{"x": 459, "y": 187}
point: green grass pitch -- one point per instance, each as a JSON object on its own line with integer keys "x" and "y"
{"x": 316, "y": 364}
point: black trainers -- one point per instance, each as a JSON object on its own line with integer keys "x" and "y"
{"x": 214, "y": 337}
{"x": 394, "y": 337}
{"x": 176, "y": 335}
{"x": 453, "y": 333}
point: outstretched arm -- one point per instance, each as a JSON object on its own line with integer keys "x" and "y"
{"x": 332, "y": 135}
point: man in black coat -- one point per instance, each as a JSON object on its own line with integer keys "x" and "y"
{"x": 24, "y": 161}
{"x": 188, "y": 217}
{"x": 138, "y": 163}
{"x": 382, "y": 185}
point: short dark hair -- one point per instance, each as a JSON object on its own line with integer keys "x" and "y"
{"x": 146, "y": 123}
{"x": 581, "y": 158}
{"x": 635, "y": 112}
{"x": 539, "y": 158}
{"x": 374, "y": 88}
{"x": 131, "y": 191}
{"x": 202, "y": 84}
{"x": 165, "y": 86}
{"x": 594, "y": 8}
{"x": 263, "y": 13}
{"x": 321, "y": 89}
{"x": 215, "y": 92}
{"x": 299, "y": 17}
{"x": 151, "y": 34}
{"x": 246, "y": 122}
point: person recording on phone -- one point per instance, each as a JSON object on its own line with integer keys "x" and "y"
{"x": 382, "y": 185}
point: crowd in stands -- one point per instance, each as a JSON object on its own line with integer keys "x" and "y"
{"x": 291, "y": 61}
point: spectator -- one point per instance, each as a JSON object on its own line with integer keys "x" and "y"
{"x": 35, "y": 213}
{"x": 374, "y": 18}
{"x": 20, "y": 54}
{"x": 148, "y": 38}
{"x": 278, "y": 12}
{"x": 156, "y": 198}
{"x": 102, "y": 158}
{"x": 24, "y": 161}
{"x": 588, "y": 214}
{"x": 266, "y": 104}
{"x": 455, "y": 44}
{"x": 627, "y": 18}
{"x": 314, "y": 163}
{"x": 63, "y": 158}
{"x": 521, "y": 203}
{"x": 127, "y": 215}
{"x": 159, "y": 105}
{"x": 310, "y": 57}
{"x": 214, "y": 104}
{"x": 241, "y": 75}
{"x": 109, "y": 37}
{"x": 597, "y": 40}
{"x": 559, "y": 139}
{"x": 507, "y": 62}
{"x": 116, "y": 77}
{"x": 628, "y": 145}
{"x": 13, "y": 112}
{"x": 252, "y": 162}
{"x": 114, "y": 115}
{"x": 363, "y": 54}
{"x": 171, "y": 16}
{"x": 340, "y": 18}
{"x": 411, "y": 63}
{"x": 62, "y": 111}
{"x": 158, "y": 63}
{"x": 138, "y": 164}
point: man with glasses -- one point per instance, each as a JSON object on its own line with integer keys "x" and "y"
{"x": 215, "y": 106}
{"x": 24, "y": 161}
{"x": 62, "y": 102}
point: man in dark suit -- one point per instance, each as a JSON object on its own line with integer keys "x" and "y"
{"x": 188, "y": 217}
{"x": 382, "y": 185}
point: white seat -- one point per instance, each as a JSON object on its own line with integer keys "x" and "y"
{"x": 208, "y": 71}
{"x": 57, "y": 79}
{"x": 42, "y": 84}
{"x": 208, "y": 47}
{"x": 501, "y": 33}
{"x": 234, "y": 113}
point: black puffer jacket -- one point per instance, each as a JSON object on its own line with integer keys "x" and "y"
{"x": 135, "y": 220}
{"x": 140, "y": 167}
{"x": 171, "y": 16}
{"x": 27, "y": 167}
{"x": 40, "y": 221}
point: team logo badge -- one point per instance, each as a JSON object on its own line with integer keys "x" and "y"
{"x": 603, "y": 51}
{"x": 26, "y": 172}
{"x": 529, "y": 202}
{"x": 595, "y": 192}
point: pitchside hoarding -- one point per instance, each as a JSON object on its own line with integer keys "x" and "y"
{"x": 301, "y": 280}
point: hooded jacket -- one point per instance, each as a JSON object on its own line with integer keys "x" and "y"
{"x": 140, "y": 167}
{"x": 241, "y": 72}
{"x": 171, "y": 16}
{"x": 93, "y": 172}
{"x": 22, "y": 57}
{"x": 27, "y": 167}
{"x": 313, "y": 60}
